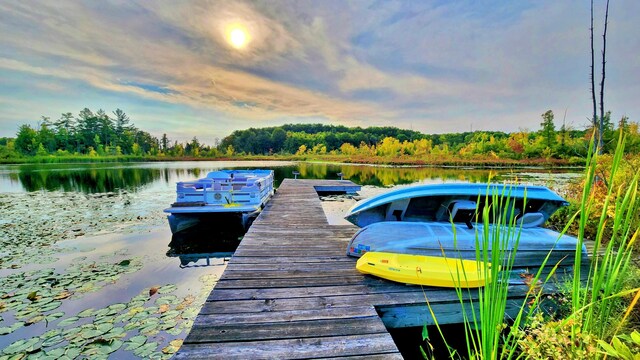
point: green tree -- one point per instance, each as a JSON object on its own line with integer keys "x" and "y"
{"x": 193, "y": 147}
{"x": 230, "y": 150}
{"x": 165, "y": 143}
{"x": 87, "y": 129}
{"x": 65, "y": 128}
{"x": 135, "y": 149}
{"x": 278, "y": 137}
{"x": 105, "y": 127}
{"x": 98, "y": 145}
{"x": 26, "y": 140}
{"x": 548, "y": 129}
{"x": 41, "y": 150}
{"x": 46, "y": 136}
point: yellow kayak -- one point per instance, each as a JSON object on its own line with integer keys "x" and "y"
{"x": 424, "y": 270}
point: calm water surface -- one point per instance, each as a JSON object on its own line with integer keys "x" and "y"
{"x": 161, "y": 176}
{"x": 127, "y": 224}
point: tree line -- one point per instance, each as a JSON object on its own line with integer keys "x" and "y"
{"x": 317, "y": 139}
{"x": 97, "y": 134}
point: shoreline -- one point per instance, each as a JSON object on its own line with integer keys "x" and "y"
{"x": 454, "y": 163}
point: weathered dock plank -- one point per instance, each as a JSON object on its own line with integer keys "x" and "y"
{"x": 306, "y": 348}
{"x": 356, "y": 311}
{"x": 291, "y": 330}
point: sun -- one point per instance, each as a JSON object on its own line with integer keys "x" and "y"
{"x": 238, "y": 37}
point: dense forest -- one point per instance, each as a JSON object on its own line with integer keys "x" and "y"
{"x": 98, "y": 134}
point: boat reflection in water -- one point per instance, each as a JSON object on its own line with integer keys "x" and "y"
{"x": 204, "y": 245}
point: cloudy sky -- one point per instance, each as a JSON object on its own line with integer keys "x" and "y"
{"x": 207, "y": 68}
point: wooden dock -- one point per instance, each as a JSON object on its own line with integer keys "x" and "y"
{"x": 290, "y": 292}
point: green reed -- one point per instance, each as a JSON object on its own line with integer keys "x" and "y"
{"x": 488, "y": 335}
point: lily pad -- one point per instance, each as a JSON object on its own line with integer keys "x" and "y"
{"x": 50, "y": 306}
{"x": 167, "y": 289}
{"x": 55, "y": 353}
{"x": 106, "y": 347}
{"x": 71, "y": 333}
{"x": 90, "y": 333}
{"x": 146, "y": 349}
{"x": 68, "y": 321}
{"x": 135, "y": 342}
{"x": 149, "y": 326}
{"x": 17, "y": 325}
{"x": 55, "y": 316}
{"x": 173, "y": 346}
{"x": 107, "y": 319}
{"x": 72, "y": 352}
{"x": 175, "y": 331}
{"x": 142, "y": 297}
{"x": 104, "y": 328}
{"x": 168, "y": 325}
{"x": 167, "y": 299}
{"x": 117, "y": 307}
{"x": 115, "y": 333}
{"x": 51, "y": 333}
{"x": 171, "y": 314}
{"x": 57, "y": 339}
{"x": 19, "y": 346}
{"x": 33, "y": 320}
{"x": 135, "y": 303}
{"x": 63, "y": 295}
{"x": 123, "y": 318}
{"x": 101, "y": 312}
{"x": 5, "y": 330}
{"x": 190, "y": 313}
{"x": 42, "y": 300}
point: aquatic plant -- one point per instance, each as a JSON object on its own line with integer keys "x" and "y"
{"x": 134, "y": 326}
{"x": 591, "y": 317}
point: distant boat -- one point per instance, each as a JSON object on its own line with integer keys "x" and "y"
{"x": 425, "y": 270}
{"x": 434, "y": 202}
{"x": 225, "y": 197}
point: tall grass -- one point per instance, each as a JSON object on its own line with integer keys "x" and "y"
{"x": 591, "y": 309}
{"x": 489, "y": 336}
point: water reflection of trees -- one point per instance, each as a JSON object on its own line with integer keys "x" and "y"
{"x": 388, "y": 176}
{"x": 94, "y": 180}
{"x": 100, "y": 178}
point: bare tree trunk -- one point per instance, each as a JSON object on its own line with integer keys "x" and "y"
{"x": 604, "y": 52}
{"x": 594, "y": 119}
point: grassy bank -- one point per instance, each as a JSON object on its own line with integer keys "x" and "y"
{"x": 476, "y": 161}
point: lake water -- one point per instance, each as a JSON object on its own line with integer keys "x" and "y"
{"x": 86, "y": 266}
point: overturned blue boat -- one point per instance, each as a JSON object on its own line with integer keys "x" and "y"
{"x": 226, "y": 197}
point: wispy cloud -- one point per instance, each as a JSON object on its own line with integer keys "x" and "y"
{"x": 434, "y": 66}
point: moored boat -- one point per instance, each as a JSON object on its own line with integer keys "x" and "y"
{"x": 434, "y": 202}
{"x": 528, "y": 246}
{"x": 425, "y": 270}
{"x": 441, "y": 220}
{"x": 226, "y": 197}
